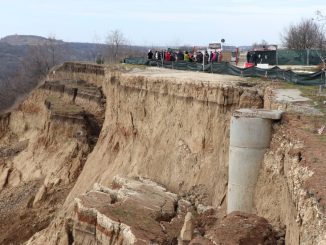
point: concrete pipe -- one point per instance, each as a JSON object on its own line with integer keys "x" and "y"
{"x": 250, "y": 136}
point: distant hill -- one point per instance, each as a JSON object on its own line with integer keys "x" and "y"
{"x": 27, "y": 40}
{"x": 14, "y": 49}
{"x": 65, "y": 51}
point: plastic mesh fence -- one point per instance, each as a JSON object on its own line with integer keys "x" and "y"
{"x": 317, "y": 78}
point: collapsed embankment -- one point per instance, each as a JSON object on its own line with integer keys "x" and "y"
{"x": 173, "y": 128}
{"x": 172, "y": 131}
{"x": 44, "y": 145}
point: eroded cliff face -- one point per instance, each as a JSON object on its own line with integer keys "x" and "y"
{"x": 172, "y": 131}
{"x": 168, "y": 126}
{"x": 44, "y": 145}
{"x": 290, "y": 186}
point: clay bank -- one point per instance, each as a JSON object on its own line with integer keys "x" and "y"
{"x": 157, "y": 156}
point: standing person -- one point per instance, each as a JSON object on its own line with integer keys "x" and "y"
{"x": 192, "y": 58}
{"x": 214, "y": 57}
{"x": 210, "y": 56}
{"x": 173, "y": 56}
{"x": 199, "y": 57}
{"x": 254, "y": 58}
{"x": 206, "y": 57}
{"x": 180, "y": 55}
{"x": 150, "y": 54}
{"x": 161, "y": 55}
{"x": 220, "y": 56}
{"x": 186, "y": 56}
{"x": 248, "y": 57}
{"x": 167, "y": 56}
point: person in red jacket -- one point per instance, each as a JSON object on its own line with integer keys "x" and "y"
{"x": 167, "y": 56}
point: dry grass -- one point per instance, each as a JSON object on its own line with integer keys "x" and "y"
{"x": 29, "y": 108}
{"x": 56, "y": 105}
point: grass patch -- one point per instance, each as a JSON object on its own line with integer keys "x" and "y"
{"x": 317, "y": 101}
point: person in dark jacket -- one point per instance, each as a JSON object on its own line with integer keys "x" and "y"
{"x": 173, "y": 56}
{"x": 199, "y": 57}
{"x": 254, "y": 58}
{"x": 150, "y": 55}
{"x": 180, "y": 55}
{"x": 206, "y": 57}
{"x": 248, "y": 57}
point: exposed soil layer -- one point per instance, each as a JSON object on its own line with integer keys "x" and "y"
{"x": 312, "y": 155}
{"x": 44, "y": 144}
{"x": 168, "y": 126}
{"x": 139, "y": 211}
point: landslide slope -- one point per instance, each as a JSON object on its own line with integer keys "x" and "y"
{"x": 44, "y": 144}
{"x": 169, "y": 126}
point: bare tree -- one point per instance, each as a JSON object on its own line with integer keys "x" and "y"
{"x": 97, "y": 53}
{"x": 262, "y": 44}
{"x": 51, "y": 43}
{"x": 115, "y": 40}
{"x": 41, "y": 57}
{"x": 320, "y": 16}
{"x": 33, "y": 67}
{"x": 37, "y": 62}
{"x": 307, "y": 34}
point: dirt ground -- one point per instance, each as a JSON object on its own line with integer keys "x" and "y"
{"x": 17, "y": 211}
{"x": 184, "y": 76}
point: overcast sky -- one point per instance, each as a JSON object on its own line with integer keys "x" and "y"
{"x": 152, "y": 22}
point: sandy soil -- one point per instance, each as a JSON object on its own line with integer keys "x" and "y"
{"x": 185, "y": 76}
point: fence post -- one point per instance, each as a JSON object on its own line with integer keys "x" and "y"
{"x": 203, "y": 61}
{"x": 308, "y": 57}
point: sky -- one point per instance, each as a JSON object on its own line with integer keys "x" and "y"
{"x": 157, "y": 23}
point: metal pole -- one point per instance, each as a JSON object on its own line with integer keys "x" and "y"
{"x": 203, "y": 61}
{"x": 307, "y": 56}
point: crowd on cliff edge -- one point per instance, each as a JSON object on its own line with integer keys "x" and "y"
{"x": 199, "y": 57}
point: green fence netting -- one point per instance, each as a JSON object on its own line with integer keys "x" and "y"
{"x": 299, "y": 57}
{"x": 317, "y": 78}
{"x": 290, "y": 57}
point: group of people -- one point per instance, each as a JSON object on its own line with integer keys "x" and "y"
{"x": 179, "y": 55}
{"x": 253, "y": 58}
